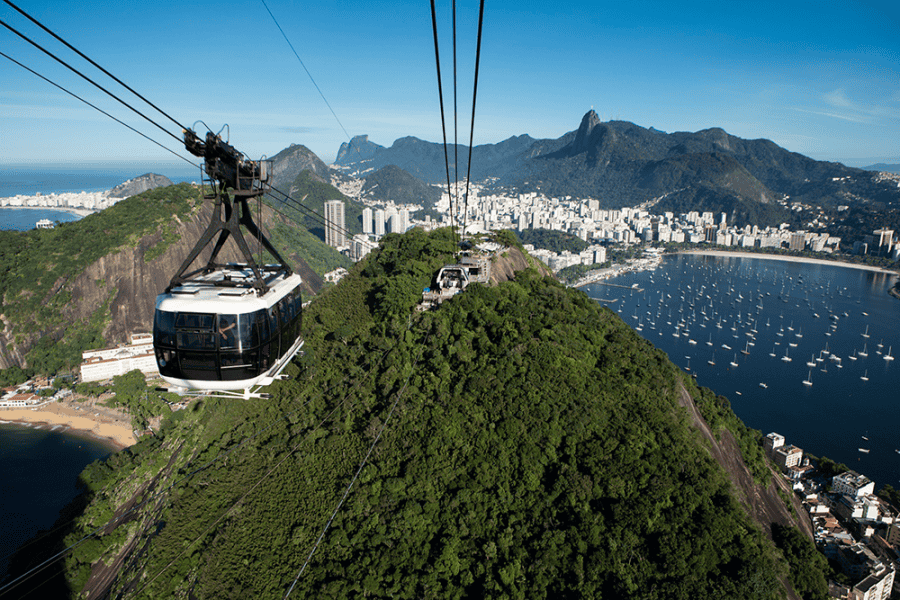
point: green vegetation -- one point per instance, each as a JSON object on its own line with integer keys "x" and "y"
{"x": 14, "y": 376}
{"x": 716, "y": 411}
{"x": 825, "y": 467}
{"x": 37, "y": 269}
{"x": 808, "y": 567}
{"x": 317, "y": 193}
{"x": 536, "y": 449}
{"x": 550, "y": 239}
{"x": 889, "y": 494}
{"x": 320, "y": 257}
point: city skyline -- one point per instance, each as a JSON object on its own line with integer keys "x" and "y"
{"x": 820, "y": 80}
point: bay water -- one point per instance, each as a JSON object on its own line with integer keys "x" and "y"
{"x": 732, "y": 321}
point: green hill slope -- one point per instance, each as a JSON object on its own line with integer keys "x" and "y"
{"x": 529, "y": 445}
{"x": 92, "y": 282}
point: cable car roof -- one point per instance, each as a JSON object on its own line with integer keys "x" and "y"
{"x": 203, "y": 295}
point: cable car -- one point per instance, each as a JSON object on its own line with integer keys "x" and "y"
{"x": 229, "y": 329}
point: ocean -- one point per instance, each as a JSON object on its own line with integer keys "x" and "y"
{"x": 702, "y": 309}
{"x": 29, "y": 180}
{"x": 38, "y": 474}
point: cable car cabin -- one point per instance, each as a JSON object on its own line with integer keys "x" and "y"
{"x": 224, "y": 339}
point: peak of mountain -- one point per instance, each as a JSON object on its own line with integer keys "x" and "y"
{"x": 288, "y": 163}
{"x": 583, "y": 136}
{"x": 140, "y": 184}
{"x": 358, "y": 149}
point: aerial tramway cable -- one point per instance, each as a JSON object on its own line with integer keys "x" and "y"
{"x": 82, "y": 55}
{"x": 88, "y": 79}
{"x": 437, "y": 60}
{"x": 472, "y": 123}
{"x": 95, "y": 107}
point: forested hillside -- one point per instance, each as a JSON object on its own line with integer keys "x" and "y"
{"x": 90, "y": 283}
{"x": 521, "y": 441}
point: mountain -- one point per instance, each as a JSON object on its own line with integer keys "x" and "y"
{"x": 883, "y": 168}
{"x": 358, "y": 149}
{"x": 520, "y": 441}
{"x": 622, "y": 164}
{"x": 391, "y": 183}
{"x": 293, "y": 160}
{"x": 142, "y": 183}
{"x": 90, "y": 283}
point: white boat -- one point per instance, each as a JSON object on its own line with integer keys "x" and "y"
{"x": 866, "y": 376}
{"x": 763, "y": 385}
{"x": 888, "y": 355}
{"x": 864, "y": 354}
{"x": 734, "y": 362}
{"x": 864, "y": 450}
{"x": 785, "y": 358}
{"x": 866, "y": 334}
{"x": 812, "y": 361}
{"x": 726, "y": 346}
{"x": 808, "y": 381}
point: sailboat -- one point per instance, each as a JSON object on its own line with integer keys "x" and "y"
{"x": 866, "y": 334}
{"x": 712, "y": 361}
{"x": 746, "y": 349}
{"x": 808, "y": 381}
{"x": 772, "y": 353}
{"x": 888, "y": 355}
{"x": 734, "y": 362}
{"x": 866, "y": 376}
{"x": 864, "y": 354}
{"x": 853, "y": 356}
{"x": 785, "y": 358}
{"x": 709, "y": 343}
{"x": 812, "y": 361}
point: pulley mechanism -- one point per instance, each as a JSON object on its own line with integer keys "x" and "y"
{"x": 231, "y": 180}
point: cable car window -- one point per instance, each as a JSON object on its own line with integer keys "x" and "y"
{"x": 244, "y": 322}
{"x": 164, "y": 328}
{"x": 259, "y": 332}
{"x": 194, "y": 321}
{"x": 196, "y": 341}
{"x": 228, "y": 337}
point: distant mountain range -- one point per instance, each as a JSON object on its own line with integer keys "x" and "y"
{"x": 882, "y": 167}
{"x": 622, "y": 164}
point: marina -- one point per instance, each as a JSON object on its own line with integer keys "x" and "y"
{"x": 772, "y": 313}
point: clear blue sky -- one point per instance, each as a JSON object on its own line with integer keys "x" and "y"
{"x": 819, "y": 78}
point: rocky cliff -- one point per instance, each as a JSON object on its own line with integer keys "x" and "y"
{"x": 138, "y": 185}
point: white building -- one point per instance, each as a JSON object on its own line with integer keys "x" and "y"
{"x": 367, "y": 220}
{"x": 379, "y": 222}
{"x": 853, "y": 484}
{"x": 110, "y": 362}
{"x": 334, "y": 228}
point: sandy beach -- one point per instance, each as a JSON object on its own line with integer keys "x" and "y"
{"x": 105, "y": 425}
{"x": 798, "y": 259}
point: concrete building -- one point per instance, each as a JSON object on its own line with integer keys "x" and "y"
{"x": 110, "y": 362}
{"x": 772, "y": 442}
{"x": 367, "y": 223}
{"x": 852, "y": 484}
{"x": 379, "y": 222}
{"x": 787, "y": 456}
{"x": 798, "y": 240}
{"x": 334, "y": 228}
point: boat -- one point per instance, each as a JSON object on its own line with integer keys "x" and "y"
{"x": 772, "y": 353}
{"x": 808, "y": 381}
{"x": 734, "y": 362}
{"x": 709, "y": 343}
{"x": 866, "y": 334}
{"x": 812, "y": 361}
{"x": 746, "y": 349}
{"x": 864, "y": 450}
{"x": 863, "y": 353}
{"x": 866, "y": 376}
{"x": 785, "y": 358}
{"x": 763, "y": 385}
{"x": 888, "y": 355}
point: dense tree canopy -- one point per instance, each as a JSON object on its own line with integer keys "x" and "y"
{"x": 532, "y": 447}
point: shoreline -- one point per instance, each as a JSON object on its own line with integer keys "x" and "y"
{"x": 81, "y": 212}
{"x": 796, "y": 259}
{"x": 117, "y": 434}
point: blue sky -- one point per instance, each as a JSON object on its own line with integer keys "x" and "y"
{"x": 819, "y": 78}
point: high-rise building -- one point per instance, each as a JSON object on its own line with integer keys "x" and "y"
{"x": 379, "y": 222}
{"x": 404, "y": 220}
{"x": 334, "y": 228}
{"x": 367, "y": 220}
